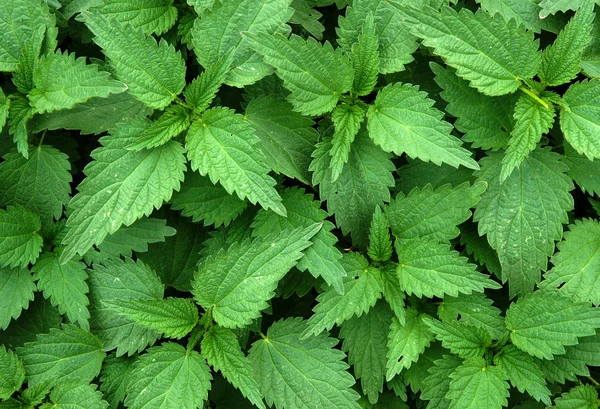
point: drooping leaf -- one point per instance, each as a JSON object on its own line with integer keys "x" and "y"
{"x": 152, "y": 16}
{"x": 12, "y": 373}
{"x": 578, "y": 120}
{"x": 474, "y": 384}
{"x": 20, "y": 243}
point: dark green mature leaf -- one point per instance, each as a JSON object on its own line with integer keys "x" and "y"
{"x": 152, "y": 16}
{"x": 580, "y": 397}
{"x": 583, "y": 171}
{"x": 16, "y": 291}
{"x": 12, "y": 373}
{"x": 116, "y": 373}
{"x": 475, "y": 385}
{"x": 578, "y": 118}
{"x": 437, "y": 385}
{"x": 475, "y": 310}
{"x": 72, "y": 395}
{"x": 464, "y": 340}
{"x": 20, "y": 243}
{"x": 380, "y": 244}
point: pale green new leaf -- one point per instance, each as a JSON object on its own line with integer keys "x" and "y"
{"x": 152, "y": 16}
{"x": 552, "y": 6}
{"x": 237, "y": 282}
{"x": 154, "y": 72}
{"x": 406, "y": 342}
{"x": 402, "y": 119}
{"x": 114, "y": 281}
{"x": 61, "y": 81}
{"x": 173, "y": 317}
{"x": 523, "y": 216}
{"x": 393, "y": 292}
{"x": 65, "y": 286}
{"x": 346, "y": 120}
{"x": 380, "y": 244}
{"x": 174, "y": 120}
{"x": 287, "y": 138}
{"x": 12, "y": 373}
{"x": 437, "y": 384}
{"x": 579, "y": 397}
{"x": 365, "y": 340}
{"x": 475, "y": 385}
{"x": 224, "y": 146}
{"x": 75, "y": 395}
{"x": 429, "y": 268}
{"x": 20, "y": 243}
{"x": 201, "y": 92}
{"x": 362, "y": 288}
{"x": 461, "y": 339}
{"x": 16, "y": 291}
{"x": 365, "y": 58}
{"x": 116, "y": 372}
{"x": 560, "y": 61}
{"x": 579, "y": 119}
{"x": 523, "y": 373}
{"x": 222, "y": 351}
{"x": 19, "y": 113}
{"x": 62, "y": 354}
{"x": 532, "y": 120}
{"x": 40, "y": 183}
{"x": 284, "y": 367}
{"x": 315, "y": 73}
{"x": 475, "y": 310}
{"x": 543, "y": 323}
{"x": 204, "y": 201}
{"x": 120, "y": 187}
{"x": 219, "y": 30}
{"x": 168, "y": 377}
{"x": 492, "y": 53}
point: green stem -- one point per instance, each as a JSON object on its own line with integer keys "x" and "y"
{"x": 592, "y": 380}
{"x": 534, "y": 96}
{"x": 42, "y": 138}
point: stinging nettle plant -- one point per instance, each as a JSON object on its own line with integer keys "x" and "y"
{"x": 299, "y": 204}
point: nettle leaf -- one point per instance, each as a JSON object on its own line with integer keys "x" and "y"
{"x": 393, "y": 292}
{"x": 364, "y": 339}
{"x": 19, "y": 112}
{"x": 579, "y": 397}
{"x": 560, "y": 61}
{"x": 402, "y": 119}
{"x": 168, "y": 377}
{"x": 493, "y": 54}
{"x": 201, "y": 92}
{"x": 65, "y": 286}
{"x": 552, "y": 6}
{"x": 315, "y": 73}
{"x": 284, "y": 367}
{"x": 474, "y": 384}
{"x": 63, "y": 354}
{"x": 523, "y": 216}
{"x": 61, "y": 81}
{"x": 543, "y": 323}
{"x": 218, "y": 32}
{"x": 346, "y": 120}
{"x": 395, "y": 44}
{"x": 365, "y": 59}
{"x": 475, "y": 310}
{"x": 461, "y": 339}
{"x": 579, "y": 119}
{"x": 223, "y": 146}
{"x": 362, "y": 289}
{"x": 380, "y": 244}
{"x": 582, "y": 170}
{"x": 431, "y": 269}
{"x": 523, "y": 373}
{"x": 152, "y": 16}
{"x": 222, "y": 350}
{"x": 20, "y": 243}
{"x": 120, "y": 187}
{"x": 524, "y": 12}
{"x": 154, "y": 72}
{"x": 4, "y": 108}
{"x": 75, "y": 394}
{"x": 116, "y": 372}
{"x": 307, "y": 17}
{"x": 437, "y": 384}
{"x": 174, "y": 120}
{"x": 237, "y": 283}
{"x": 12, "y": 373}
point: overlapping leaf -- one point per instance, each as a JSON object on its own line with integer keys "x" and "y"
{"x": 578, "y": 120}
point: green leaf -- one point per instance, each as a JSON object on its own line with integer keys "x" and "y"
{"x": 461, "y": 339}
{"x": 523, "y": 373}
{"x": 168, "y": 377}
{"x": 12, "y": 373}
{"x": 393, "y": 292}
{"x": 543, "y": 323}
{"x": 20, "y": 243}
{"x": 485, "y": 121}
{"x": 287, "y": 138}
{"x": 19, "y": 112}
{"x": 532, "y": 120}
{"x": 428, "y": 213}
{"x": 395, "y": 43}
{"x": 116, "y": 373}
{"x": 120, "y": 187}
{"x": 579, "y": 119}
{"x": 479, "y": 249}
{"x": 204, "y": 201}
{"x": 154, "y": 72}
{"x": 583, "y": 171}
{"x": 65, "y": 286}
{"x": 322, "y": 258}
{"x": 493, "y": 54}
{"x": 221, "y": 349}
{"x": 560, "y": 61}
{"x": 365, "y": 58}
{"x": 475, "y": 310}
{"x": 224, "y": 146}
{"x": 75, "y": 395}
{"x": 365, "y": 339}
{"x": 402, "y": 119}
{"x": 63, "y": 354}
{"x": 431, "y": 269}
{"x": 38, "y": 318}
{"x": 4, "y": 108}
{"x": 174, "y": 120}
{"x": 347, "y": 120}
{"x": 380, "y": 244}
{"x": 173, "y": 317}
{"x": 40, "y": 183}
{"x": 307, "y": 17}
{"x": 152, "y": 16}
{"x": 218, "y": 32}
{"x": 437, "y": 384}
{"x": 476, "y": 385}
{"x": 61, "y": 82}
{"x": 552, "y": 6}
{"x": 284, "y": 367}
{"x": 363, "y": 184}
{"x": 362, "y": 289}
{"x": 201, "y": 92}
{"x": 579, "y": 397}
{"x": 406, "y": 342}
{"x": 237, "y": 283}
{"x": 523, "y": 215}
{"x": 115, "y": 281}
{"x": 315, "y": 73}
{"x": 524, "y": 12}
